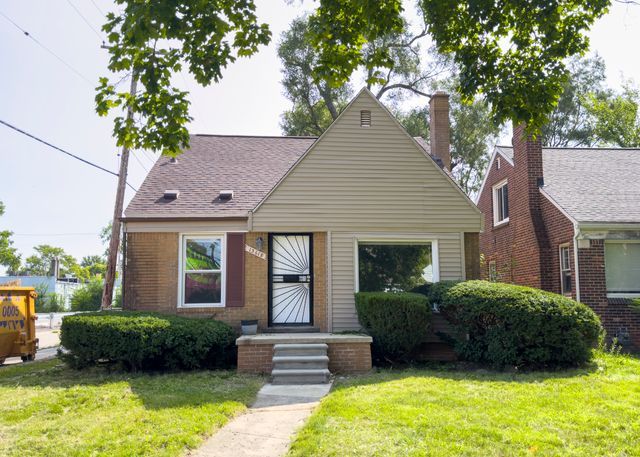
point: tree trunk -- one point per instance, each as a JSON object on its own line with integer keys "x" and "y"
{"x": 114, "y": 242}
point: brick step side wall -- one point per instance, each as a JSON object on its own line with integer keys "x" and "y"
{"x": 344, "y": 358}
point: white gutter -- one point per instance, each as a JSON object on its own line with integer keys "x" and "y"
{"x": 576, "y": 232}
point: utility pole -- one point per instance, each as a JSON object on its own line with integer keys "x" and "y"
{"x": 114, "y": 243}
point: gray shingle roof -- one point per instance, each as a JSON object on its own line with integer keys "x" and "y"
{"x": 593, "y": 185}
{"x": 250, "y": 166}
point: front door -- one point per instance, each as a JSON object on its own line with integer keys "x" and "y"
{"x": 290, "y": 279}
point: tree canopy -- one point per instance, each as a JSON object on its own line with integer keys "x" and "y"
{"x": 152, "y": 41}
{"x": 511, "y": 52}
{"x": 616, "y": 119}
{"x": 571, "y": 123}
{"x": 413, "y": 73}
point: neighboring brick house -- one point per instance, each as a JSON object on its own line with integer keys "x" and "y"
{"x": 269, "y": 228}
{"x": 566, "y": 220}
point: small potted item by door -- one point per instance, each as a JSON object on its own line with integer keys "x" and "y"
{"x": 249, "y": 327}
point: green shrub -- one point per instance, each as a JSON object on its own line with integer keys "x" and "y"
{"x": 438, "y": 289}
{"x": 89, "y": 297}
{"x": 506, "y": 325}
{"x": 398, "y": 322}
{"x": 146, "y": 341}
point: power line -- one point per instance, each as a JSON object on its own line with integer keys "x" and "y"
{"x": 86, "y": 21}
{"x": 97, "y": 7}
{"x": 140, "y": 162}
{"x": 48, "y": 50}
{"x": 62, "y": 150}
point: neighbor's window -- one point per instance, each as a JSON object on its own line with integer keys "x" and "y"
{"x": 565, "y": 270}
{"x": 500, "y": 203}
{"x": 622, "y": 267}
{"x": 394, "y": 266}
{"x": 202, "y": 271}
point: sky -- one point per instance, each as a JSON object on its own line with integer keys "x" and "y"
{"x": 53, "y": 199}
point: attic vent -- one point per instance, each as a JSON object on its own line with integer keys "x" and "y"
{"x": 173, "y": 160}
{"x": 171, "y": 194}
{"x": 365, "y": 118}
{"x": 225, "y": 195}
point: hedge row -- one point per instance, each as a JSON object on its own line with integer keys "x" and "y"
{"x": 146, "y": 341}
{"x": 507, "y": 325}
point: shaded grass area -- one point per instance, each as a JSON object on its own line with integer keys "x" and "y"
{"x": 444, "y": 412}
{"x": 47, "y": 409}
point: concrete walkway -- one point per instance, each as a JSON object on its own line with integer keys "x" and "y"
{"x": 266, "y": 429}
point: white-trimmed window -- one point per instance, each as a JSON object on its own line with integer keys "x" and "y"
{"x": 622, "y": 267}
{"x": 202, "y": 273}
{"x": 500, "y": 203}
{"x": 395, "y": 264}
{"x": 565, "y": 270}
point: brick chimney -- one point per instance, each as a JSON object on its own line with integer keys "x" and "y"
{"x": 439, "y": 135}
{"x": 531, "y": 243}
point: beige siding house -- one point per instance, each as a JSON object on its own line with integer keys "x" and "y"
{"x": 271, "y": 228}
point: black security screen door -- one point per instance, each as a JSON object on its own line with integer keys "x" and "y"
{"x": 290, "y": 279}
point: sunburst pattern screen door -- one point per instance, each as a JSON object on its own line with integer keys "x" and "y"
{"x": 291, "y": 274}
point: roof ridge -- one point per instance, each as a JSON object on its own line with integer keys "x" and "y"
{"x": 601, "y": 148}
{"x": 283, "y": 137}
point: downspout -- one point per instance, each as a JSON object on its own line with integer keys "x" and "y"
{"x": 250, "y": 221}
{"x": 124, "y": 263}
{"x": 329, "y": 285}
{"x": 576, "y": 232}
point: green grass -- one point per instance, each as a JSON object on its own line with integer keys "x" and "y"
{"x": 443, "y": 412}
{"x": 48, "y": 410}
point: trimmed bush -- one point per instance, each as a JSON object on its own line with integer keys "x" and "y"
{"x": 439, "y": 289}
{"x": 146, "y": 341}
{"x": 398, "y": 322}
{"x": 505, "y": 325}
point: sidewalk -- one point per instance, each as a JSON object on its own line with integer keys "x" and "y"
{"x": 266, "y": 429}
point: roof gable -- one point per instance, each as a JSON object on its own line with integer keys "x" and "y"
{"x": 248, "y": 165}
{"x": 352, "y": 174}
{"x": 598, "y": 185}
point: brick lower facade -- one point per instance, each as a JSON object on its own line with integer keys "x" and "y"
{"x": 151, "y": 280}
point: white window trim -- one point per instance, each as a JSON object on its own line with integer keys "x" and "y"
{"x": 494, "y": 196}
{"x": 619, "y": 294}
{"x": 560, "y": 248}
{"x": 223, "y": 270}
{"x": 394, "y": 239}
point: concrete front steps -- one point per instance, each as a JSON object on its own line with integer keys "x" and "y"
{"x": 302, "y": 363}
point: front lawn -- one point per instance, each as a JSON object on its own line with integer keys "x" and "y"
{"x": 440, "y": 412}
{"x": 47, "y": 409}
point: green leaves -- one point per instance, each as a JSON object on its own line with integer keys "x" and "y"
{"x": 153, "y": 40}
{"x": 511, "y": 52}
{"x": 616, "y": 119}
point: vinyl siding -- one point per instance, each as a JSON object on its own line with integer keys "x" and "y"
{"x": 357, "y": 180}
{"x": 344, "y": 315}
{"x": 375, "y": 178}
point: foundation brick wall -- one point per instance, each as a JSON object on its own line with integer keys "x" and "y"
{"x": 344, "y": 358}
{"x": 151, "y": 280}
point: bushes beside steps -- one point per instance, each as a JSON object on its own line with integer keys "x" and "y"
{"x": 398, "y": 322}
{"x": 146, "y": 341}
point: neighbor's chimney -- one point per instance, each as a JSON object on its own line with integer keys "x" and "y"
{"x": 439, "y": 127}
